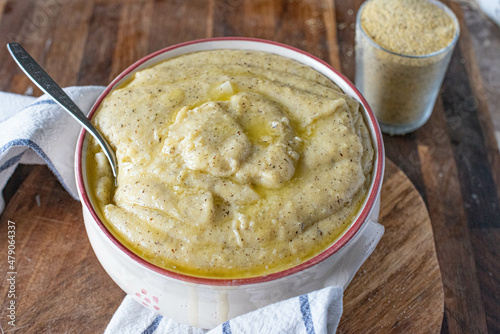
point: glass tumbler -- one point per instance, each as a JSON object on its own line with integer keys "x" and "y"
{"x": 400, "y": 89}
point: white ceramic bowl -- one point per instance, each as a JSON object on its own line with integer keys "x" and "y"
{"x": 207, "y": 302}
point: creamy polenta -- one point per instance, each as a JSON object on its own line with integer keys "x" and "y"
{"x": 232, "y": 164}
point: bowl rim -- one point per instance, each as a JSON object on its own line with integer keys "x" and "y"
{"x": 362, "y": 217}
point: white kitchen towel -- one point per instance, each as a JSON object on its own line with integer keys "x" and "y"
{"x": 316, "y": 312}
{"x": 37, "y": 131}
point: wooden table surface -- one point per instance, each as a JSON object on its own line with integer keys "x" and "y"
{"x": 453, "y": 160}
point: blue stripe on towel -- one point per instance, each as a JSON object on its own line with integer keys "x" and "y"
{"x": 226, "y": 328}
{"x": 31, "y": 144}
{"x": 40, "y": 102}
{"x": 306, "y": 314}
{"x": 12, "y": 161}
{"x": 154, "y": 325}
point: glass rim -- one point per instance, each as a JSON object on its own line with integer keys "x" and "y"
{"x": 439, "y": 4}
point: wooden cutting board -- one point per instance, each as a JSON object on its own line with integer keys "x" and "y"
{"x": 399, "y": 288}
{"x": 61, "y": 287}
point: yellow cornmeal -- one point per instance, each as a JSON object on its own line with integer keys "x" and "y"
{"x": 407, "y": 27}
{"x": 401, "y": 86}
{"x": 231, "y": 164}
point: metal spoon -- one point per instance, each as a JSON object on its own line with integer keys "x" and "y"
{"x": 36, "y": 73}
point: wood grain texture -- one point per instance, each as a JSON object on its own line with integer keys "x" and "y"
{"x": 487, "y": 254}
{"x": 469, "y": 147}
{"x": 329, "y": 11}
{"x": 100, "y": 43}
{"x": 133, "y": 35}
{"x": 60, "y": 286}
{"x": 2, "y": 7}
{"x": 478, "y": 98}
{"x": 178, "y": 21}
{"x": 453, "y": 160}
{"x": 398, "y": 289}
{"x": 464, "y": 309}
{"x": 346, "y": 26}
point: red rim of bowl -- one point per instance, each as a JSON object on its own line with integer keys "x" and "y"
{"x": 340, "y": 243}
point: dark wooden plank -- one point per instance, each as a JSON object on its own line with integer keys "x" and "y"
{"x": 62, "y": 60}
{"x": 346, "y": 27}
{"x": 227, "y": 15}
{"x": 296, "y": 23}
{"x": 463, "y": 305}
{"x": 16, "y": 26}
{"x": 470, "y": 153}
{"x": 485, "y": 241}
{"x": 20, "y": 174}
{"x": 38, "y": 25}
{"x": 403, "y": 150}
{"x": 478, "y": 86}
{"x": 486, "y": 246}
{"x": 133, "y": 35}
{"x": 3, "y": 3}
{"x": 95, "y": 68}
{"x": 258, "y": 18}
{"x": 177, "y": 21}
{"x": 60, "y": 286}
{"x": 300, "y": 24}
{"x": 330, "y": 21}
{"x": 46, "y": 39}
{"x": 478, "y": 160}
